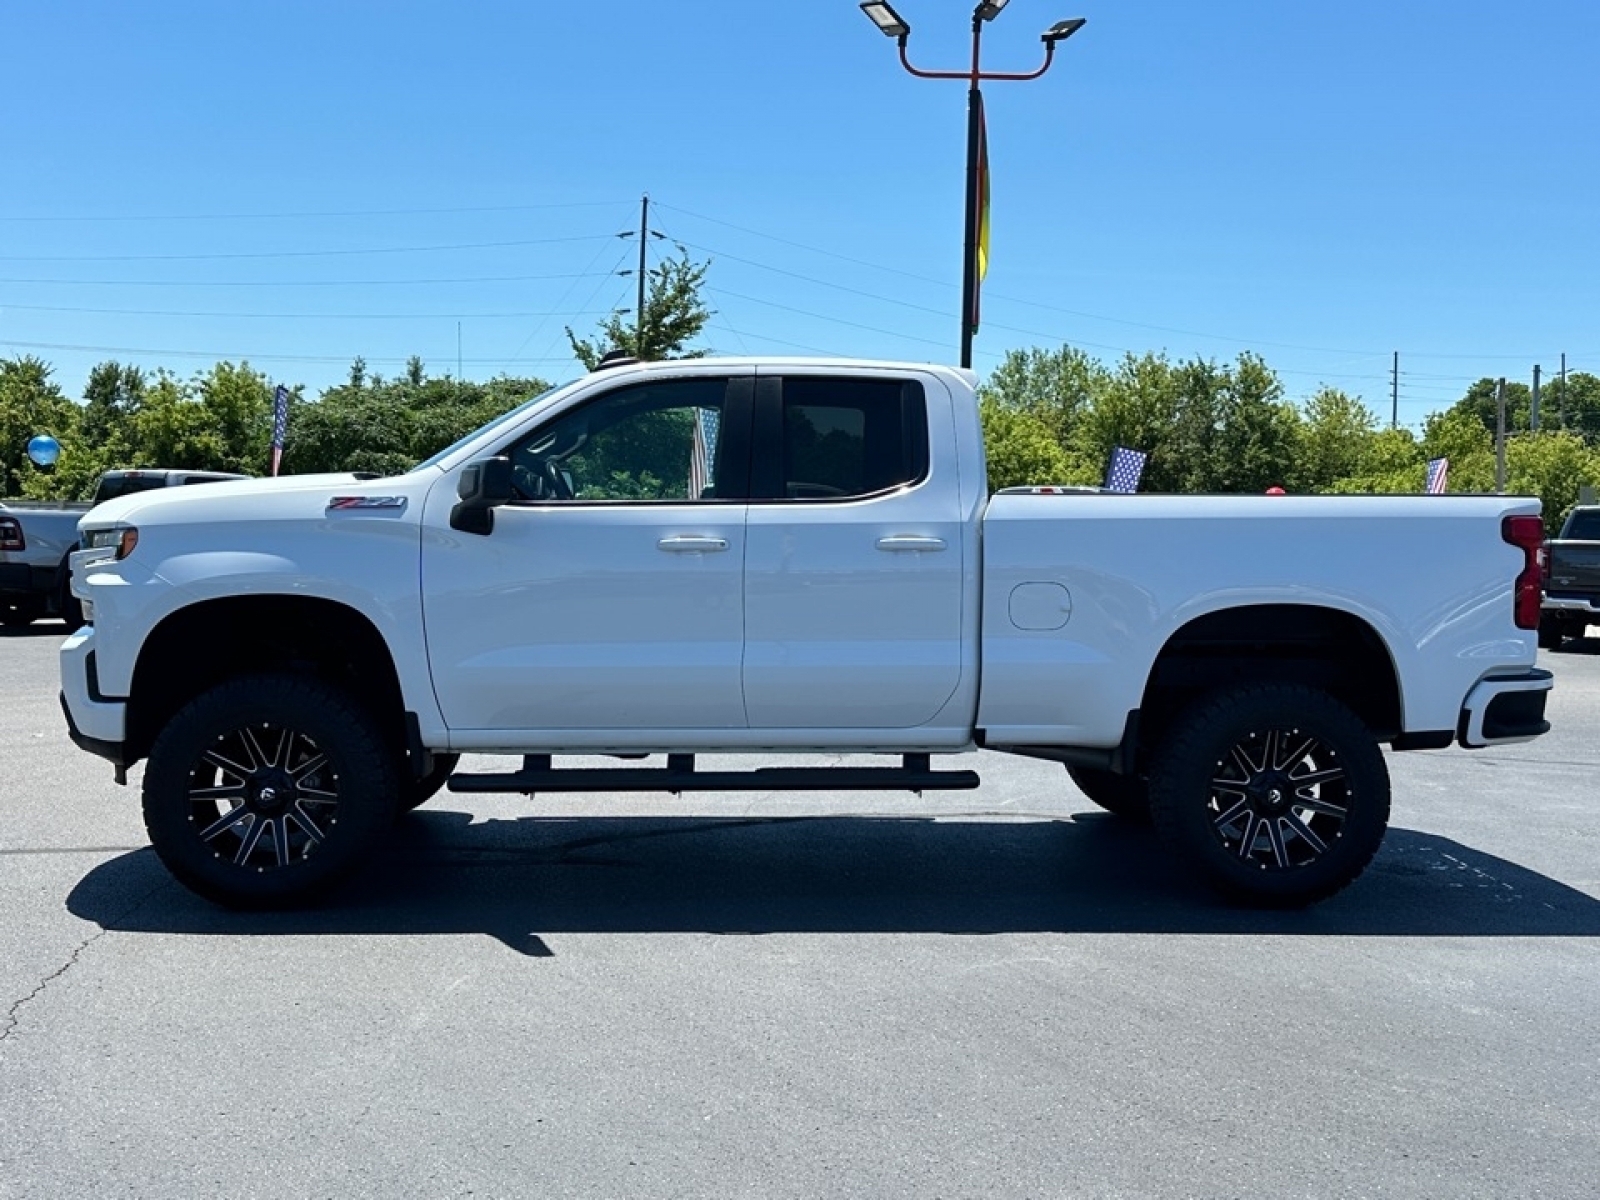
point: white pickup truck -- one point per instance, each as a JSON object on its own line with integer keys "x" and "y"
{"x": 785, "y": 557}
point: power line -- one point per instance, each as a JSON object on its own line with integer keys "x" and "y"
{"x": 278, "y": 216}
{"x": 274, "y": 254}
{"x": 221, "y": 283}
{"x": 289, "y": 316}
{"x": 221, "y": 356}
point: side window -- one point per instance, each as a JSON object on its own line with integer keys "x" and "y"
{"x": 654, "y": 441}
{"x": 844, "y": 438}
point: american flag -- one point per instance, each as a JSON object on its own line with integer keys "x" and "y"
{"x": 1438, "y": 476}
{"x": 280, "y": 424}
{"x": 702, "y": 456}
{"x": 1126, "y": 467}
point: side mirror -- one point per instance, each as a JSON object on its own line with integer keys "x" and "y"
{"x": 484, "y": 486}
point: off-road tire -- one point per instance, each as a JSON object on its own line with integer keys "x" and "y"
{"x": 416, "y": 792}
{"x": 1277, "y": 794}
{"x": 303, "y": 765}
{"x": 1126, "y": 796}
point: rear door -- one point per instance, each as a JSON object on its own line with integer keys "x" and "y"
{"x": 854, "y": 558}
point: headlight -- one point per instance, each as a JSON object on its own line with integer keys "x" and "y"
{"x": 121, "y": 540}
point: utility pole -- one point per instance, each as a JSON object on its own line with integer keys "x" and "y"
{"x": 1563, "y": 389}
{"x": 1394, "y": 393}
{"x": 644, "y": 234}
{"x": 1533, "y": 406}
{"x": 1500, "y": 437}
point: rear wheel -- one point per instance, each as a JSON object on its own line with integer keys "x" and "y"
{"x": 1277, "y": 795}
{"x": 1125, "y": 795}
{"x": 264, "y": 792}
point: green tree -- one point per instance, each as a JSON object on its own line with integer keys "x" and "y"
{"x": 111, "y": 397}
{"x": 673, "y": 316}
{"x": 368, "y": 424}
{"x": 1552, "y": 466}
{"x": 1573, "y": 406}
{"x": 1056, "y": 388}
{"x": 1337, "y": 439}
{"x": 30, "y": 404}
{"x": 1021, "y": 449}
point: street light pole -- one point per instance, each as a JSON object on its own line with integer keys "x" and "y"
{"x": 892, "y": 25}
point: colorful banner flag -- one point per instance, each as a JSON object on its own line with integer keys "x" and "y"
{"x": 1438, "y": 476}
{"x": 1125, "y": 470}
{"x": 280, "y": 424}
{"x": 981, "y": 200}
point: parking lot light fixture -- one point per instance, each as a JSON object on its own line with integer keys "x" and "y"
{"x": 891, "y": 24}
{"x": 886, "y": 19}
{"x": 1062, "y": 30}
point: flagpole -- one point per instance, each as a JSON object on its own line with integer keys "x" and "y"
{"x": 969, "y": 257}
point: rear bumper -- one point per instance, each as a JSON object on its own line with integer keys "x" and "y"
{"x": 96, "y": 723}
{"x": 1505, "y": 709}
{"x": 1572, "y": 606}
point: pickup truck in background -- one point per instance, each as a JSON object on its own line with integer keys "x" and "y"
{"x": 38, "y": 536}
{"x": 790, "y": 558}
{"x": 1571, "y": 578}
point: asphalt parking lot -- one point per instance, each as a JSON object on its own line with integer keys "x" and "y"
{"x": 993, "y": 994}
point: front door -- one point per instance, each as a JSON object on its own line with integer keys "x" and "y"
{"x": 609, "y": 595}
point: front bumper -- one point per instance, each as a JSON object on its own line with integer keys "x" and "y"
{"x": 1505, "y": 708}
{"x": 95, "y": 722}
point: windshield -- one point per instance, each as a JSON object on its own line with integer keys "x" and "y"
{"x": 503, "y": 419}
{"x": 112, "y": 486}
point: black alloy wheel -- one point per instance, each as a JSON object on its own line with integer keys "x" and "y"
{"x": 263, "y": 792}
{"x": 1277, "y": 794}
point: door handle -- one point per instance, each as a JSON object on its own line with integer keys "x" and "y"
{"x": 905, "y": 541}
{"x": 691, "y": 544}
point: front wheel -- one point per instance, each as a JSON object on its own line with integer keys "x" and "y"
{"x": 1277, "y": 795}
{"x": 264, "y": 792}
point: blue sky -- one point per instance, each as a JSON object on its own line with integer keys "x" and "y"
{"x": 299, "y": 183}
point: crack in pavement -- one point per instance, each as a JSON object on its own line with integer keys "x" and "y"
{"x": 12, "y": 1017}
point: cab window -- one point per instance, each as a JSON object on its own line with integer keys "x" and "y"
{"x": 653, "y": 442}
{"x": 847, "y": 438}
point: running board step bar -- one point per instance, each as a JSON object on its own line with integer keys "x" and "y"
{"x": 679, "y": 775}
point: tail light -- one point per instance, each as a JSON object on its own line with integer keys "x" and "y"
{"x": 1527, "y": 534}
{"x": 11, "y": 535}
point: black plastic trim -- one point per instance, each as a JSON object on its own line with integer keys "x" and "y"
{"x": 1424, "y": 739}
{"x": 115, "y": 753}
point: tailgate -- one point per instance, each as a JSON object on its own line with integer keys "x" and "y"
{"x": 1574, "y": 567}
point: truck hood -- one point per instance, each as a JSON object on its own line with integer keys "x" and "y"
{"x": 286, "y": 497}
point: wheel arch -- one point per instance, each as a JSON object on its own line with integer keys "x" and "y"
{"x": 1315, "y": 645}
{"x": 211, "y": 641}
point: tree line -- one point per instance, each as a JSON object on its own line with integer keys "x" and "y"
{"x": 1049, "y": 416}
{"x": 1209, "y": 427}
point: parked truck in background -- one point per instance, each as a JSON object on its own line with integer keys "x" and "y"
{"x": 1572, "y": 578}
{"x": 790, "y": 558}
{"x": 37, "y": 538}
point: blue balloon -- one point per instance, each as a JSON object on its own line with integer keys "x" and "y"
{"x": 44, "y": 450}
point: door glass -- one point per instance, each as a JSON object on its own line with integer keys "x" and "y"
{"x": 654, "y": 442}
{"x": 844, "y": 438}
